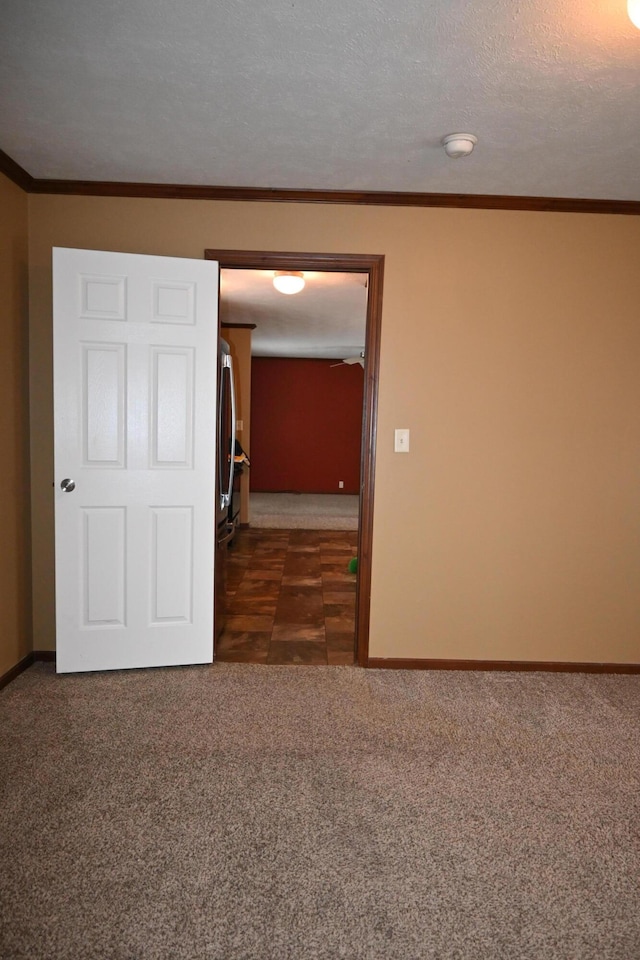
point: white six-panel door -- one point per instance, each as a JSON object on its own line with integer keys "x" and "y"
{"x": 135, "y": 355}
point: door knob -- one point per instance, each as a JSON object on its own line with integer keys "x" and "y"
{"x": 68, "y": 485}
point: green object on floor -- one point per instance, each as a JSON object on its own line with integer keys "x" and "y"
{"x": 353, "y": 565}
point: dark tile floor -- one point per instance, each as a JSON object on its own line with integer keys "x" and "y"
{"x": 291, "y": 598}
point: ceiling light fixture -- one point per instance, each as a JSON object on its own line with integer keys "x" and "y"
{"x": 633, "y": 9}
{"x": 288, "y": 282}
{"x": 459, "y": 144}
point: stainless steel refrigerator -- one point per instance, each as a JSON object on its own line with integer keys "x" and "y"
{"x": 226, "y": 442}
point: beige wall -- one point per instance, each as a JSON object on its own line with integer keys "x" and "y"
{"x": 239, "y": 341}
{"x": 15, "y": 596}
{"x": 510, "y": 347}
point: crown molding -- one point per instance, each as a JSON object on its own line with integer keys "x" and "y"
{"x": 185, "y": 191}
{"x": 15, "y": 172}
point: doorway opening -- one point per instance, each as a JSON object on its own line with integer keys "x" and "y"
{"x": 371, "y": 268}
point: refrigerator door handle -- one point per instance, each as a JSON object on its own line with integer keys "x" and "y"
{"x": 228, "y": 363}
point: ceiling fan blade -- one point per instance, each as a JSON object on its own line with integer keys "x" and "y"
{"x": 350, "y": 360}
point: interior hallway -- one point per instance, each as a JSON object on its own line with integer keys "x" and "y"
{"x": 291, "y": 599}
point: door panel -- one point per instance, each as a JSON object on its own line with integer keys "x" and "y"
{"x": 135, "y": 357}
{"x": 172, "y": 407}
{"x": 104, "y": 565}
{"x": 103, "y": 404}
{"x": 172, "y": 552}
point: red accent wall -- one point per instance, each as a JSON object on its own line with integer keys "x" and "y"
{"x": 306, "y": 425}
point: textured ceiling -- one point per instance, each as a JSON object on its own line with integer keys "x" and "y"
{"x": 304, "y": 94}
{"x": 326, "y": 319}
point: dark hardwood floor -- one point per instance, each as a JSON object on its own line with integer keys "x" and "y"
{"x": 291, "y": 598}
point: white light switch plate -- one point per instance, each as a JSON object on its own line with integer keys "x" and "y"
{"x": 401, "y": 441}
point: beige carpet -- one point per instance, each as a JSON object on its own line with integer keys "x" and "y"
{"x": 243, "y": 812}
{"x": 304, "y": 511}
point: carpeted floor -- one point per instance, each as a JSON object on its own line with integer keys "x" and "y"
{"x": 304, "y": 511}
{"x": 294, "y": 813}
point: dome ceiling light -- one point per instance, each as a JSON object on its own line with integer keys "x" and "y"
{"x": 287, "y": 281}
{"x": 633, "y": 9}
{"x": 458, "y": 145}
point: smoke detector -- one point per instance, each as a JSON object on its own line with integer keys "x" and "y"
{"x": 459, "y": 144}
